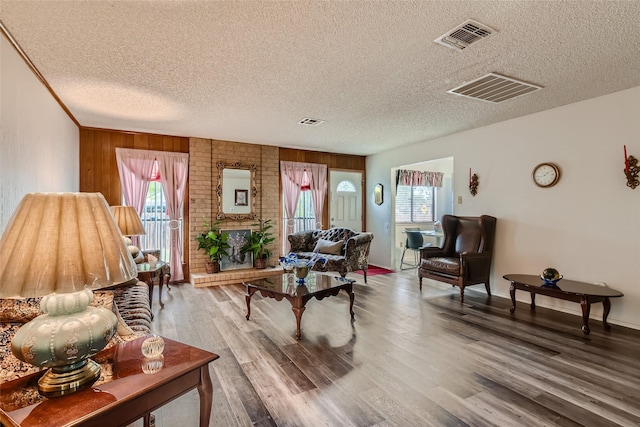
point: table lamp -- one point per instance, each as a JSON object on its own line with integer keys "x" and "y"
{"x": 129, "y": 222}
{"x": 59, "y": 246}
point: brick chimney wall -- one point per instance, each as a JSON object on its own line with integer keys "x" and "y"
{"x": 203, "y": 181}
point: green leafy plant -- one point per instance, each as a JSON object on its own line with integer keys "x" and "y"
{"x": 259, "y": 239}
{"x": 213, "y": 242}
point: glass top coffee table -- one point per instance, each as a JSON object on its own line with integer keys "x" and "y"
{"x": 288, "y": 286}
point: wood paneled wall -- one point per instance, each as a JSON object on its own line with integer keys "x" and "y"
{"x": 99, "y": 168}
{"x": 333, "y": 161}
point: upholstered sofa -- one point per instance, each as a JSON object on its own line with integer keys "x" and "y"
{"x": 345, "y": 250}
{"x": 130, "y": 303}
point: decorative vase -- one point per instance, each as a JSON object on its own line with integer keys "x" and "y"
{"x": 260, "y": 263}
{"x": 301, "y": 272}
{"x": 212, "y": 267}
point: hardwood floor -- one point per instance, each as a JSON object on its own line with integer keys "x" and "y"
{"x": 410, "y": 359}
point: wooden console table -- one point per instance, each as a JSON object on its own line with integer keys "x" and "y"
{"x": 137, "y": 387}
{"x": 569, "y": 290}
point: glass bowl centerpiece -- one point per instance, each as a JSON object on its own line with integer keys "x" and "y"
{"x": 301, "y": 266}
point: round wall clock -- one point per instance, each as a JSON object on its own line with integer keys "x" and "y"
{"x": 545, "y": 175}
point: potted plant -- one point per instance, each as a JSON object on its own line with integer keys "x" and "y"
{"x": 215, "y": 245}
{"x": 257, "y": 243}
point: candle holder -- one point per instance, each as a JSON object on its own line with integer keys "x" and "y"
{"x": 473, "y": 185}
{"x": 631, "y": 171}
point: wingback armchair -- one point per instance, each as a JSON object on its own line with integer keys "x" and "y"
{"x": 465, "y": 256}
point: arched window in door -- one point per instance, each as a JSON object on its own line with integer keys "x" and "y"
{"x": 346, "y": 186}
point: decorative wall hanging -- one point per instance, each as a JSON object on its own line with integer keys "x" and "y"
{"x": 473, "y": 183}
{"x": 631, "y": 170}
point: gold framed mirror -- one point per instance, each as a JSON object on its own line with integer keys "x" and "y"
{"x": 377, "y": 194}
{"x": 236, "y": 191}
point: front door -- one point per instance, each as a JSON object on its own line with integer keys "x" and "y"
{"x": 345, "y": 201}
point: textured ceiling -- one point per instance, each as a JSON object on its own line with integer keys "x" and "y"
{"x": 250, "y": 70}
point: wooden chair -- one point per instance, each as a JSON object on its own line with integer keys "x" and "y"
{"x": 465, "y": 256}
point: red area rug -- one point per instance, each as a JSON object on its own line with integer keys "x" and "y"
{"x": 373, "y": 270}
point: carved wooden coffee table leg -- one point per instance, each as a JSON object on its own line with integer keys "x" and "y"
{"x": 351, "y": 298}
{"x": 247, "y": 298}
{"x": 298, "y": 312}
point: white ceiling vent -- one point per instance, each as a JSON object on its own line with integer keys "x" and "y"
{"x": 310, "y": 122}
{"x": 465, "y": 34}
{"x": 494, "y": 88}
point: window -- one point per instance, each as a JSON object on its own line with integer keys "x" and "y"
{"x": 156, "y": 222}
{"x": 305, "y": 217}
{"x": 346, "y": 186}
{"x": 415, "y": 203}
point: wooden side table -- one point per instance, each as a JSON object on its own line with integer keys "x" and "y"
{"x": 138, "y": 386}
{"x": 150, "y": 275}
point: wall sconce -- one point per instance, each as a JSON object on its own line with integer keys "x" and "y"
{"x": 473, "y": 183}
{"x": 631, "y": 170}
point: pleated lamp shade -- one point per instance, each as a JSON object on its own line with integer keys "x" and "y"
{"x": 62, "y": 242}
{"x": 128, "y": 220}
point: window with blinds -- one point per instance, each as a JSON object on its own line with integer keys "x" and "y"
{"x": 156, "y": 222}
{"x": 305, "y": 217}
{"x": 415, "y": 203}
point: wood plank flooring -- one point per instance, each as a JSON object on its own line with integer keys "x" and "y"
{"x": 410, "y": 359}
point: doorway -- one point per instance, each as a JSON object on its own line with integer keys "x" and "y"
{"x": 441, "y": 203}
{"x": 345, "y": 199}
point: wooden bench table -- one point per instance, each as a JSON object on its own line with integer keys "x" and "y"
{"x": 569, "y": 290}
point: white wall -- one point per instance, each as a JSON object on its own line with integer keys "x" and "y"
{"x": 38, "y": 141}
{"x": 587, "y": 226}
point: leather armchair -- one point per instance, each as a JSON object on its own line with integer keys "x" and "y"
{"x": 465, "y": 256}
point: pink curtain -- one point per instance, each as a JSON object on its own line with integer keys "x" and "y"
{"x": 174, "y": 170}
{"x": 294, "y": 176}
{"x": 419, "y": 178}
{"x": 318, "y": 189}
{"x": 291, "y": 176}
{"x": 135, "y": 168}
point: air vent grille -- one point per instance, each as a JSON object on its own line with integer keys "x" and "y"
{"x": 310, "y": 122}
{"x": 494, "y": 88}
{"x": 465, "y": 34}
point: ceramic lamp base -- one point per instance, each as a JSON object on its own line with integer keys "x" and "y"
{"x": 68, "y": 379}
{"x": 63, "y": 339}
